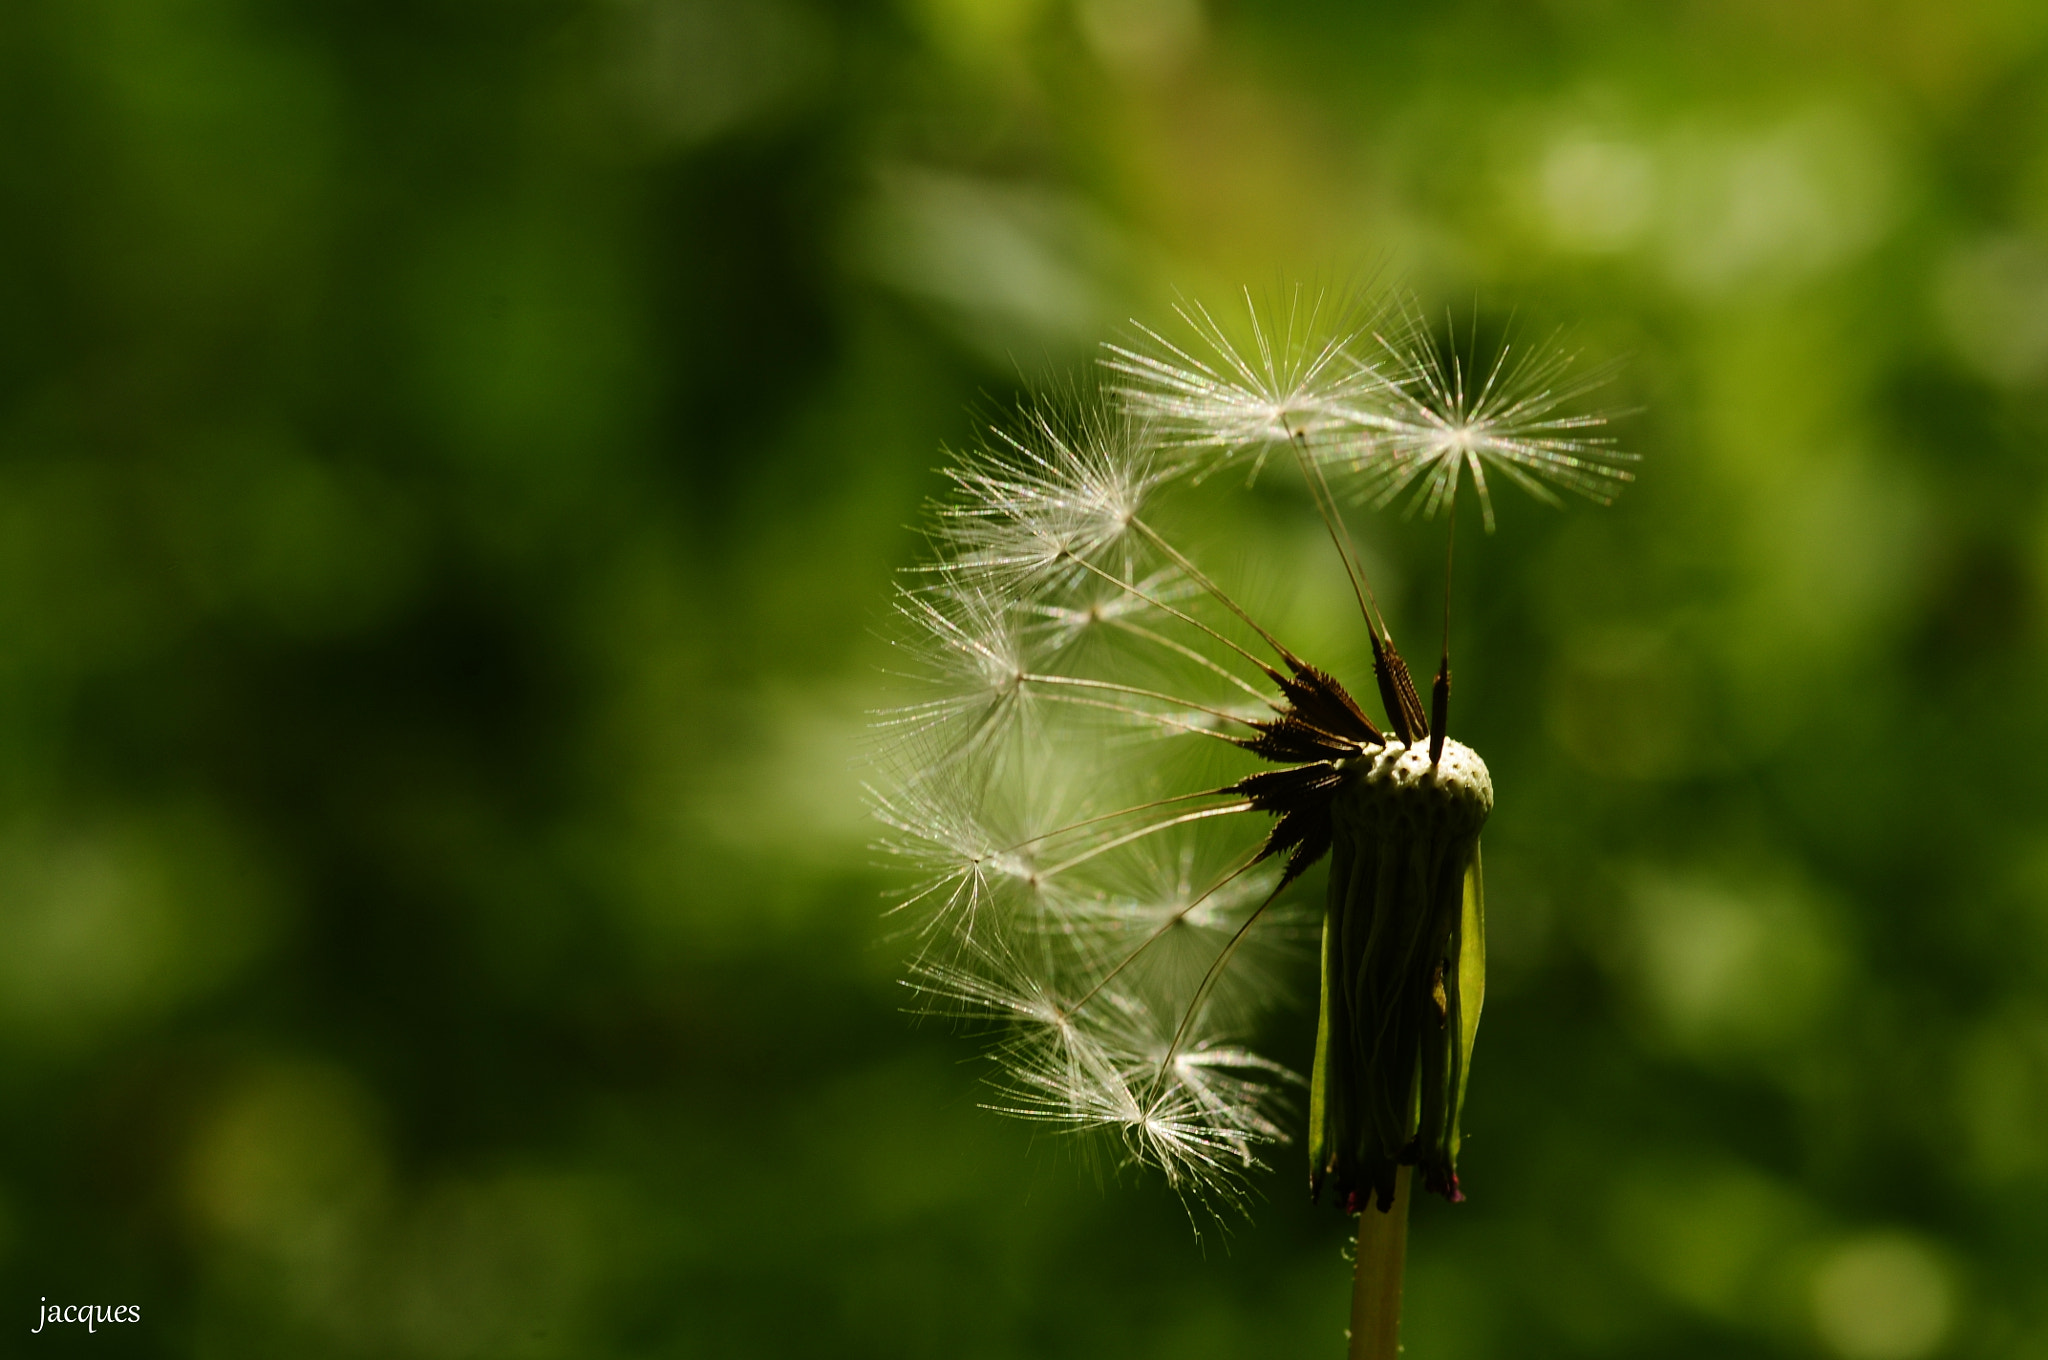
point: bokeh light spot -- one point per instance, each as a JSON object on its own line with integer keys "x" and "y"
{"x": 1883, "y": 1297}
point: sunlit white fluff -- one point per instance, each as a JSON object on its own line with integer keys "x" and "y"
{"x": 966, "y": 658}
{"x": 1198, "y": 1113}
{"x": 1164, "y": 896}
{"x": 1104, "y": 605}
{"x": 1439, "y": 414}
{"x": 964, "y": 868}
{"x": 1038, "y": 499}
{"x": 1300, "y": 376}
{"x": 1068, "y": 889}
{"x": 1382, "y": 408}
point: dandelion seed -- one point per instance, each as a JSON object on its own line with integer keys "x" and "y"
{"x": 969, "y": 660}
{"x": 966, "y": 871}
{"x": 1037, "y": 500}
{"x": 1299, "y": 378}
{"x": 1438, "y": 415}
{"x": 1101, "y": 605}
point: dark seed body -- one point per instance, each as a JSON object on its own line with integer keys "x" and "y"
{"x": 1403, "y": 971}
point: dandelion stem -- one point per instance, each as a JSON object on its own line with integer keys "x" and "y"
{"x": 1376, "y": 1285}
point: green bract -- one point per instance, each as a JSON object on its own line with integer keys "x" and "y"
{"x": 1404, "y": 972}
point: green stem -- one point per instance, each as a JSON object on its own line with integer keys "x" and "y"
{"x": 1376, "y": 1288}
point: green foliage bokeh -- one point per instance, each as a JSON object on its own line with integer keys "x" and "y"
{"x": 452, "y": 460}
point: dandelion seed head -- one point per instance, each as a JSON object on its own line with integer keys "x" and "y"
{"x": 1091, "y": 717}
{"x": 1456, "y": 786}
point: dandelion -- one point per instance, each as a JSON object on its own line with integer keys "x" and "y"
{"x": 1111, "y": 777}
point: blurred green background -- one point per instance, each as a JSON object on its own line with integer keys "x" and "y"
{"x": 452, "y": 460}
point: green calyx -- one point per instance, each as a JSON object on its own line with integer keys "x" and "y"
{"x": 1404, "y": 972}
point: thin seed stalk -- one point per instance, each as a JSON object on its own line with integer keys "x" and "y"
{"x": 1376, "y": 1282}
